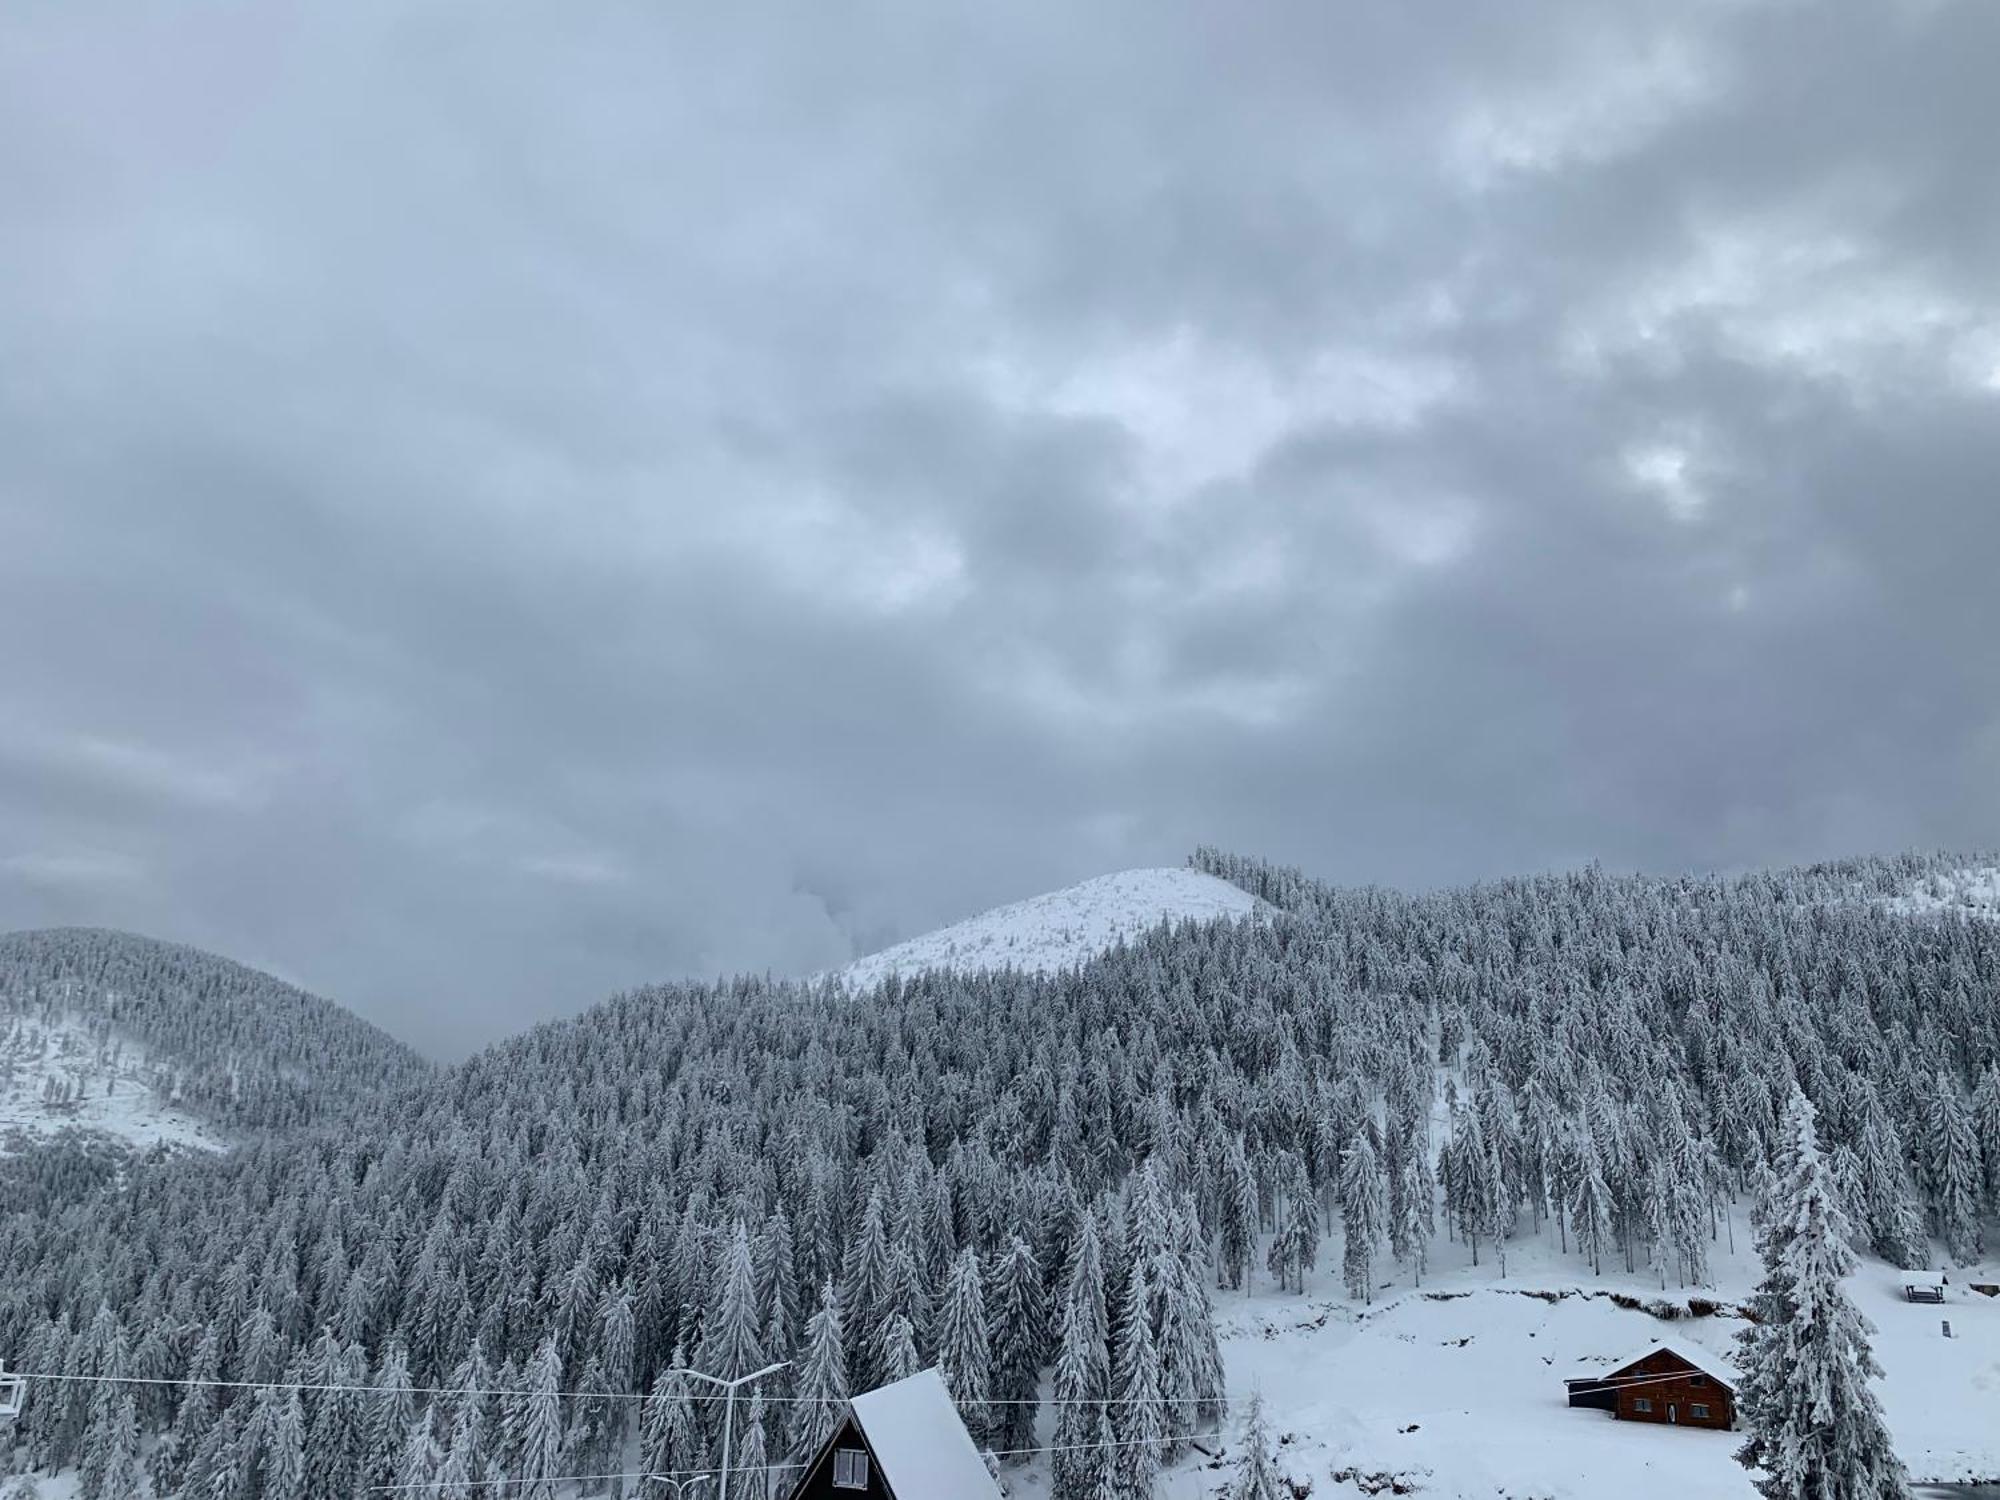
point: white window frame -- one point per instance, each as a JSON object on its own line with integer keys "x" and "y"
{"x": 850, "y": 1469}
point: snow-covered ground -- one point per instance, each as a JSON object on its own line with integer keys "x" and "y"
{"x": 1455, "y": 1390}
{"x": 1974, "y": 891}
{"x": 1056, "y": 931}
{"x": 55, "y": 1074}
{"x": 1460, "y": 1392}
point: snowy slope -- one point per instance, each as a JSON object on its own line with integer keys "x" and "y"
{"x": 1056, "y": 931}
{"x": 1454, "y": 1390}
{"x": 1464, "y": 1396}
{"x": 1974, "y": 891}
{"x": 63, "y": 1072}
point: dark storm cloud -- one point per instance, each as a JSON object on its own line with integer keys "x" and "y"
{"x": 497, "y": 506}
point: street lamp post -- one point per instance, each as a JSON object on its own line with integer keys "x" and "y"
{"x": 729, "y": 1387}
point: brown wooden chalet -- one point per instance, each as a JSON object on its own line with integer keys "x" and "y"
{"x": 902, "y": 1442}
{"x": 1661, "y": 1384}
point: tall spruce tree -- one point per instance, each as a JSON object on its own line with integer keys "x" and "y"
{"x": 1363, "y": 1215}
{"x": 1019, "y": 1318}
{"x": 1815, "y": 1427}
{"x": 1139, "y": 1421}
{"x": 964, "y": 1349}
{"x": 541, "y": 1449}
{"x": 822, "y": 1384}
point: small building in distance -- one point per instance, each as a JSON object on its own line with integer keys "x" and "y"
{"x": 902, "y": 1442}
{"x": 1662, "y": 1384}
{"x": 1925, "y": 1286}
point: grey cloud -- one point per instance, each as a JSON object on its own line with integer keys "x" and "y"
{"x": 492, "y": 509}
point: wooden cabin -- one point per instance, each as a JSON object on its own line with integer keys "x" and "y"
{"x": 1661, "y": 1384}
{"x": 902, "y": 1442}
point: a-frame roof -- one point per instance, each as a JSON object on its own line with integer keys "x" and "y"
{"x": 1701, "y": 1359}
{"x": 919, "y": 1442}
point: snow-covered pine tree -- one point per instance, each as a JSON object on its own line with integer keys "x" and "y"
{"x": 1815, "y": 1426}
{"x": 864, "y": 1290}
{"x": 418, "y": 1459}
{"x": 778, "y": 1284}
{"x": 1019, "y": 1319}
{"x": 1257, "y": 1475}
{"x": 1952, "y": 1169}
{"x": 541, "y": 1449}
{"x": 909, "y": 1298}
{"x": 1101, "y": 1457}
{"x": 1591, "y": 1206}
{"x": 284, "y": 1442}
{"x": 221, "y": 1465}
{"x": 111, "y": 1451}
{"x": 669, "y": 1439}
{"x": 1412, "y": 1188}
{"x": 750, "y": 1464}
{"x": 1891, "y": 1221}
{"x": 587, "y": 1440}
{"x": 1986, "y": 1126}
{"x": 964, "y": 1350}
{"x": 458, "y": 1474}
{"x": 1294, "y": 1248}
{"x": 896, "y": 1349}
{"x": 731, "y": 1344}
{"x": 1238, "y": 1213}
{"x": 1082, "y": 1376}
{"x": 197, "y": 1414}
{"x": 1190, "y": 1353}
{"x": 1363, "y": 1215}
{"x": 336, "y": 1433}
{"x": 1140, "y": 1423}
{"x": 822, "y": 1385}
{"x": 387, "y": 1415}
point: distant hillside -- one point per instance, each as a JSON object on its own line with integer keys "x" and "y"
{"x": 1365, "y": 1117}
{"x": 153, "y": 1042}
{"x": 1060, "y": 929}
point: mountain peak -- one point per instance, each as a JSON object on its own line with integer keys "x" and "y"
{"x": 1058, "y": 929}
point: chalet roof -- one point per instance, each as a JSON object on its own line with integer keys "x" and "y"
{"x": 1701, "y": 1359}
{"x": 920, "y": 1443}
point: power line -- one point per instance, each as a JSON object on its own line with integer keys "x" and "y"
{"x": 1625, "y": 1383}
{"x": 429, "y": 1484}
{"x": 317, "y": 1388}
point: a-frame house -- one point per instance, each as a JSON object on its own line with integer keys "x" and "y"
{"x": 902, "y": 1442}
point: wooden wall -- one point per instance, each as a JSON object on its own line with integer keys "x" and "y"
{"x": 816, "y": 1483}
{"x": 1663, "y": 1387}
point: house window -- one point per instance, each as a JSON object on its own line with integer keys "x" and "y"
{"x": 1698, "y": 1409}
{"x": 1697, "y": 1380}
{"x": 1642, "y": 1403}
{"x": 850, "y": 1469}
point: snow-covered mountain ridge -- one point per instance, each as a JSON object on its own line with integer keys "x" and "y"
{"x": 143, "y": 1038}
{"x": 1060, "y": 929}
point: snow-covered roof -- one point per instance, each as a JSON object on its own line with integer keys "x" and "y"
{"x": 1924, "y": 1278}
{"x": 1700, "y": 1358}
{"x": 916, "y": 1435}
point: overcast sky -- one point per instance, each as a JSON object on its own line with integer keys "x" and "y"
{"x": 500, "y": 503}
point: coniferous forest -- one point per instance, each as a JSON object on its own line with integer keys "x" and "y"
{"x": 477, "y": 1280}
